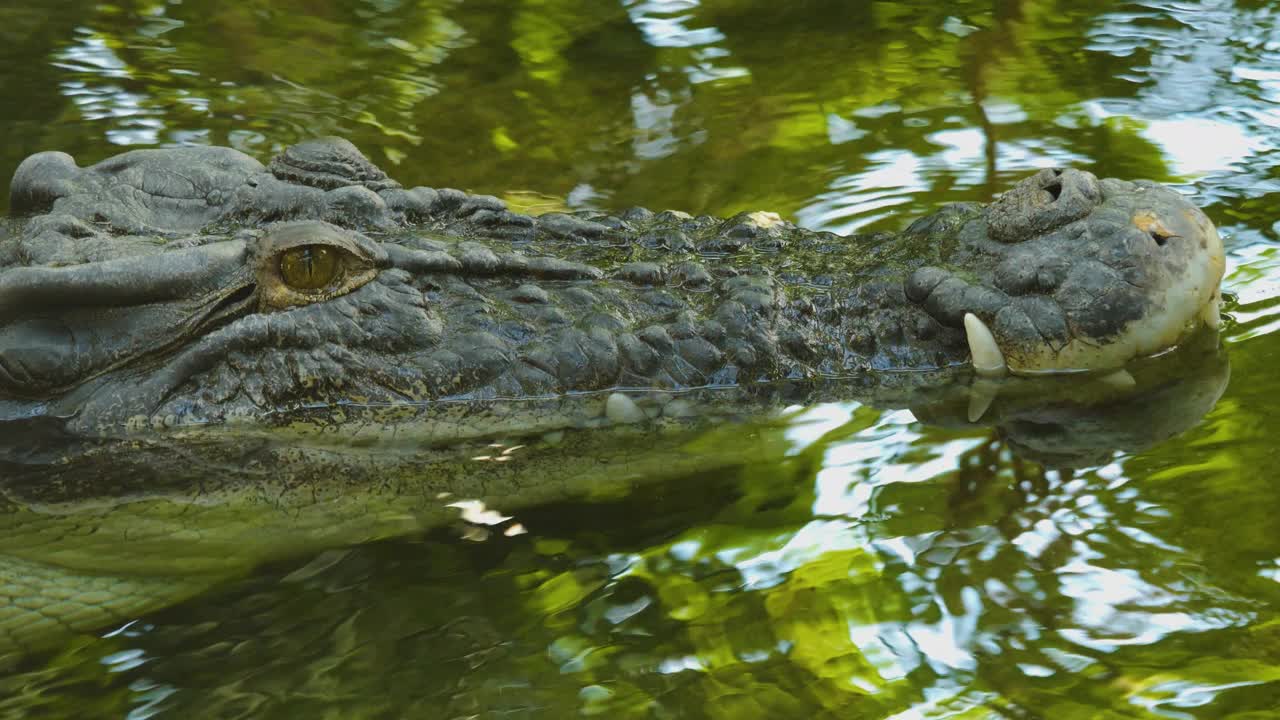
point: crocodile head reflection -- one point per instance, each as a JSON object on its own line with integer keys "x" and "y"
{"x": 1070, "y": 422}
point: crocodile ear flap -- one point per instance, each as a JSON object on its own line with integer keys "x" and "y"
{"x": 1042, "y": 203}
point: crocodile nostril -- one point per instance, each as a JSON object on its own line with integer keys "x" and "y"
{"x": 1043, "y": 203}
{"x": 1055, "y": 190}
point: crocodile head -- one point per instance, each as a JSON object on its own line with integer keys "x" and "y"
{"x": 195, "y": 285}
{"x": 1065, "y": 272}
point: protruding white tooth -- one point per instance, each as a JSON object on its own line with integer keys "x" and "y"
{"x": 981, "y": 394}
{"x": 987, "y": 358}
{"x": 1212, "y": 313}
{"x": 1119, "y": 379}
{"x": 621, "y": 409}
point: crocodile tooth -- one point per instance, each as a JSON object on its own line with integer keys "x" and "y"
{"x": 987, "y": 358}
{"x": 621, "y": 409}
{"x": 1119, "y": 380}
{"x": 981, "y": 394}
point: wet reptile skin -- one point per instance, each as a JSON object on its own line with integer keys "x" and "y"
{"x": 177, "y": 408}
{"x": 147, "y": 289}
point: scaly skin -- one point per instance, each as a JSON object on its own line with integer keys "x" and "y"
{"x": 175, "y": 408}
{"x": 150, "y": 289}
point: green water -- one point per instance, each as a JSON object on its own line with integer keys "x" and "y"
{"x": 885, "y": 568}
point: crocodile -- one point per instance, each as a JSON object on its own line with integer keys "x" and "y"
{"x": 207, "y": 363}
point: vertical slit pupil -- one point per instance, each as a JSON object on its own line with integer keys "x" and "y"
{"x": 308, "y": 267}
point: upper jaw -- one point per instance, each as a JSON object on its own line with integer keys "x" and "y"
{"x": 1063, "y": 272}
{"x": 1103, "y": 272}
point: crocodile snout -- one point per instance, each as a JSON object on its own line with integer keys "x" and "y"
{"x": 1043, "y": 202}
{"x": 1072, "y": 273}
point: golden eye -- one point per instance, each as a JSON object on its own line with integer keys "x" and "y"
{"x": 309, "y": 267}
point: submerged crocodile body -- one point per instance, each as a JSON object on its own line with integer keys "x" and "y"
{"x": 206, "y": 363}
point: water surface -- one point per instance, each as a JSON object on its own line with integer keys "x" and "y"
{"x": 886, "y": 568}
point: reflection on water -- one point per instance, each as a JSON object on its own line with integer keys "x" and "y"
{"x": 889, "y": 564}
{"x": 879, "y": 566}
{"x": 1207, "y": 89}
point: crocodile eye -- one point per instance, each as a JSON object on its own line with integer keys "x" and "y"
{"x": 309, "y": 267}
{"x": 308, "y": 262}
